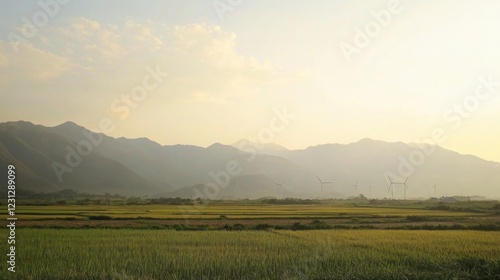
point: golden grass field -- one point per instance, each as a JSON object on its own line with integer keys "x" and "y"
{"x": 230, "y": 211}
{"x": 316, "y": 254}
{"x": 242, "y": 241}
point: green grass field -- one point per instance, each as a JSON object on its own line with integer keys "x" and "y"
{"x": 325, "y": 254}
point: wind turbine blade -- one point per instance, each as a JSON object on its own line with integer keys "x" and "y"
{"x": 389, "y": 177}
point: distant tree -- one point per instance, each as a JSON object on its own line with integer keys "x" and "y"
{"x": 67, "y": 193}
{"x": 61, "y": 202}
{"x": 133, "y": 200}
{"x": 85, "y": 201}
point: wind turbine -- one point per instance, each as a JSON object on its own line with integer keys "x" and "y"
{"x": 281, "y": 188}
{"x": 322, "y": 183}
{"x": 370, "y": 192}
{"x": 405, "y": 185}
{"x": 397, "y": 183}
{"x": 391, "y": 188}
{"x": 356, "y": 187}
{"x": 435, "y": 189}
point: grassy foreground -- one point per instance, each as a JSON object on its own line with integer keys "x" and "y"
{"x": 315, "y": 254}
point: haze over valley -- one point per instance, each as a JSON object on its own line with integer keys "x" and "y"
{"x": 69, "y": 156}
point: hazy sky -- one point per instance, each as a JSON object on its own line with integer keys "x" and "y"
{"x": 345, "y": 70}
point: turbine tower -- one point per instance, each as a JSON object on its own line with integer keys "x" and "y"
{"x": 322, "y": 183}
{"x": 356, "y": 187}
{"x": 391, "y": 188}
{"x": 405, "y": 186}
{"x": 435, "y": 189}
{"x": 281, "y": 188}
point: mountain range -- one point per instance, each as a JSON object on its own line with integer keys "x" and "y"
{"x": 69, "y": 156}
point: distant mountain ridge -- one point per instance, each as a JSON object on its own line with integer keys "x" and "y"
{"x": 143, "y": 167}
{"x": 139, "y": 166}
{"x": 369, "y": 161}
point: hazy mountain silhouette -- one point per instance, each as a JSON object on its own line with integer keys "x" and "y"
{"x": 33, "y": 149}
{"x": 240, "y": 187}
{"x": 144, "y": 167}
{"x": 367, "y": 161}
{"x": 130, "y": 166}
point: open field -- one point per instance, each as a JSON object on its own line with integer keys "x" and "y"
{"x": 324, "y": 254}
{"x": 220, "y": 216}
{"x": 215, "y": 211}
{"x": 247, "y": 240}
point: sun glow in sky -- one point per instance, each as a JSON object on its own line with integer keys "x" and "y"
{"x": 200, "y": 72}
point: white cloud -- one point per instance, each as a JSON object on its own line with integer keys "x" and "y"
{"x": 90, "y": 41}
{"x": 210, "y": 63}
{"x": 143, "y": 35}
{"x": 95, "y": 63}
{"x": 206, "y": 60}
{"x": 31, "y": 64}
